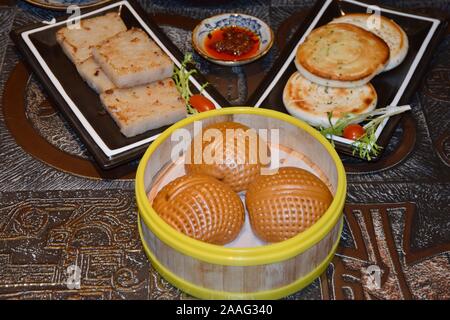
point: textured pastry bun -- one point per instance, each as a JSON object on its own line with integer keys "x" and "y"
{"x": 311, "y": 102}
{"x": 388, "y": 30}
{"x": 201, "y": 207}
{"x": 341, "y": 55}
{"x": 286, "y": 203}
{"x": 237, "y": 167}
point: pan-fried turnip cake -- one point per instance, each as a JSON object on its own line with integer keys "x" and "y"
{"x": 131, "y": 59}
{"x": 91, "y": 72}
{"x": 77, "y": 43}
{"x": 146, "y": 107}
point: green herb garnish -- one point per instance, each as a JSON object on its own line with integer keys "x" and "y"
{"x": 181, "y": 78}
{"x": 365, "y": 146}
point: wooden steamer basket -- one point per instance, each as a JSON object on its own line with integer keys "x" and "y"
{"x": 260, "y": 272}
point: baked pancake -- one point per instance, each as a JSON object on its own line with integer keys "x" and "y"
{"x": 232, "y": 160}
{"x": 139, "y": 109}
{"x": 341, "y": 55}
{"x": 286, "y": 203}
{"x": 387, "y": 29}
{"x": 310, "y": 102}
{"x": 77, "y": 43}
{"x": 201, "y": 207}
{"x": 131, "y": 59}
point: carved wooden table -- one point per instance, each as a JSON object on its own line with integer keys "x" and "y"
{"x": 58, "y": 209}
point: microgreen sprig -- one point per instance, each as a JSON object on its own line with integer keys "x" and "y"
{"x": 365, "y": 146}
{"x": 181, "y": 78}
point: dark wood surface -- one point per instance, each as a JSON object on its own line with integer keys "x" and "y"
{"x": 57, "y": 208}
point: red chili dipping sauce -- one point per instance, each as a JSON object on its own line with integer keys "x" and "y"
{"x": 232, "y": 43}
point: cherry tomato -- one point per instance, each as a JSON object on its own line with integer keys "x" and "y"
{"x": 353, "y": 131}
{"x": 201, "y": 103}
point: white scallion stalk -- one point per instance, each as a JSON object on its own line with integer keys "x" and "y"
{"x": 384, "y": 113}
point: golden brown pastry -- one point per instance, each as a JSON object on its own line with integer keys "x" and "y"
{"x": 394, "y": 36}
{"x": 202, "y": 208}
{"x": 341, "y": 55}
{"x": 237, "y": 167}
{"x": 312, "y": 102}
{"x": 286, "y": 203}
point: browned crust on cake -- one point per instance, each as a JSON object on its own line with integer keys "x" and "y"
{"x": 391, "y": 22}
{"x": 373, "y": 61}
{"x": 303, "y": 104}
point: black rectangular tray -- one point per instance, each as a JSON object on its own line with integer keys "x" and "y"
{"x": 394, "y": 87}
{"x": 80, "y": 104}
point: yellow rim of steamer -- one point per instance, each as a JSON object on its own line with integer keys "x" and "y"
{"x": 216, "y": 254}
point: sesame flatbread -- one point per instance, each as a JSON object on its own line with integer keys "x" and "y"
{"x": 341, "y": 55}
{"x": 386, "y": 29}
{"x": 311, "y": 102}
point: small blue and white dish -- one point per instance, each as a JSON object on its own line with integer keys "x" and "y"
{"x": 257, "y": 26}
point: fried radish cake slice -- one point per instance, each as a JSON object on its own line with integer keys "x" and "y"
{"x": 91, "y": 72}
{"x": 311, "y": 102}
{"x": 77, "y": 43}
{"x": 386, "y": 29}
{"x": 131, "y": 59}
{"x": 341, "y": 55}
{"x": 139, "y": 109}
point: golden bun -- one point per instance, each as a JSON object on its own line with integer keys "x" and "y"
{"x": 202, "y": 208}
{"x": 237, "y": 168}
{"x": 286, "y": 203}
